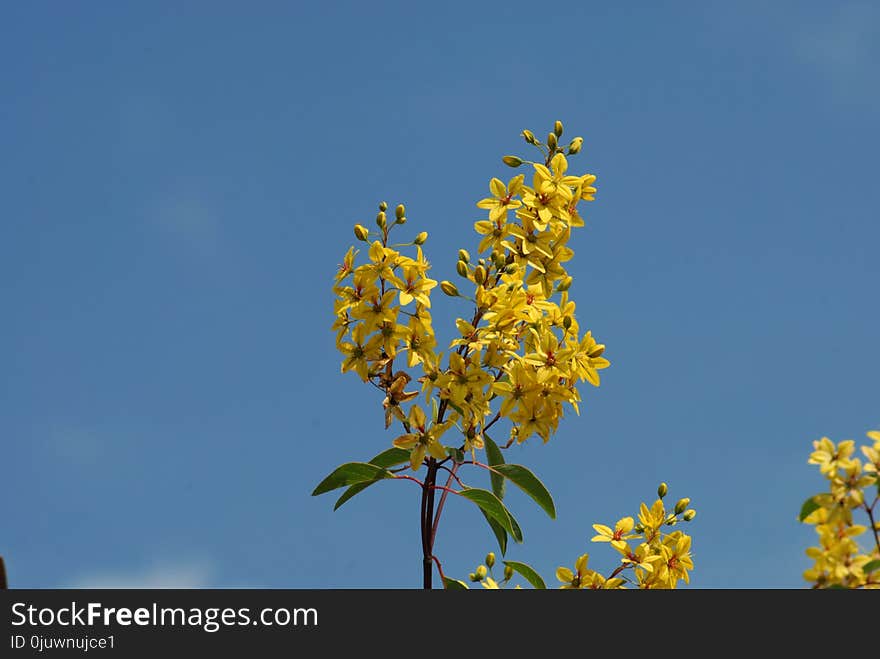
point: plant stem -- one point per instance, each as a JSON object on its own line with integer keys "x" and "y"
{"x": 870, "y": 511}
{"x": 443, "y": 502}
{"x": 427, "y": 524}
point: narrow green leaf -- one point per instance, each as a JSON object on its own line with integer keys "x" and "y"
{"x": 454, "y": 584}
{"x": 808, "y": 508}
{"x": 492, "y": 506}
{"x": 498, "y": 530}
{"x": 871, "y": 566}
{"x": 390, "y": 458}
{"x": 530, "y": 484}
{"x": 528, "y": 573}
{"x": 494, "y": 457}
{"x": 349, "y": 474}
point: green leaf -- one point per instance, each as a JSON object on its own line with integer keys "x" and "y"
{"x": 390, "y": 458}
{"x": 530, "y": 484}
{"x": 494, "y": 457}
{"x": 349, "y": 474}
{"x": 498, "y": 530}
{"x": 808, "y": 508}
{"x": 454, "y": 584}
{"x": 528, "y": 573}
{"x": 869, "y": 567}
{"x": 492, "y": 506}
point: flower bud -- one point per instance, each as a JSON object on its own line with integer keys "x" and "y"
{"x": 639, "y": 528}
{"x": 512, "y": 161}
{"x": 529, "y": 136}
{"x": 464, "y": 256}
{"x": 662, "y": 490}
{"x": 681, "y": 505}
{"x": 490, "y": 559}
{"x": 566, "y": 322}
{"x": 479, "y": 274}
{"x": 565, "y": 284}
{"x": 481, "y": 572}
{"x": 473, "y": 577}
{"x": 383, "y": 206}
{"x": 421, "y": 238}
{"x": 510, "y": 268}
{"x": 689, "y": 514}
{"x": 449, "y": 288}
{"x": 552, "y": 142}
{"x": 498, "y": 259}
{"x": 361, "y": 232}
{"x": 400, "y": 220}
{"x": 508, "y": 573}
{"x": 400, "y": 211}
{"x": 381, "y": 221}
{"x": 557, "y": 129}
{"x": 461, "y": 268}
{"x": 671, "y": 520}
{"x": 575, "y": 146}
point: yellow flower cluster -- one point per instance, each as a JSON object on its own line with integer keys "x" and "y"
{"x": 839, "y": 561}
{"x": 656, "y": 559}
{"x": 520, "y": 356}
{"x": 659, "y": 560}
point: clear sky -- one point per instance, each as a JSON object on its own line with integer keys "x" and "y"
{"x": 180, "y": 180}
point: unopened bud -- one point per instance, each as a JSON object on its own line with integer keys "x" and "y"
{"x": 565, "y": 284}
{"x": 529, "y": 136}
{"x": 575, "y": 146}
{"x": 552, "y": 142}
{"x": 490, "y": 559}
{"x": 689, "y": 514}
{"x": 464, "y": 256}
{"x": 681, "y": 505}
{"x": 481, "y": 572}
{"x": 400, "y": 220}
{"x": 479, "y": 274}
{"x": 662, "y": 490}
{"x": 383, "y": 206}
{"x": 449, "y": 288}
{"x": 473, "y": 577}
{"x": 671, "y": 519}
{"x": 361, "y": 232}
{"x": 498, "y": 259}
{"x": 508, "y": 573}
{"x": 400, "y": 211}
{"x": 381, "y": 221}
{"x": 639, "y": 528}
{"x": 512, "y": 161}
{"x": 566, "y": 322}
{"x": 461, "y": 268}
{"x": 421, "y": 238}
{"x": 557, "y": 129}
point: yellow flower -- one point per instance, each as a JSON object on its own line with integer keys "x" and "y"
{"x": 360, "y": 352}
{"x": 422, "y": 440}
{"x": 580, "y": 578}
{"x": 618, "y": 536}
{"x": 502, "y": 199}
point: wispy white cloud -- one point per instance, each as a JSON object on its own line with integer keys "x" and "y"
{"x": 169, "y": 575}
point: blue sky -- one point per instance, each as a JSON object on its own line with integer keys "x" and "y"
{"x": 180, "y": 181}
